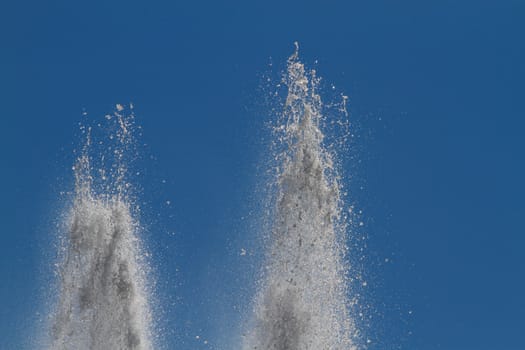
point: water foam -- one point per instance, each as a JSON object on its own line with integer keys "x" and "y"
{"x": 302, "y": 303}
{"x": 103, "y": 301}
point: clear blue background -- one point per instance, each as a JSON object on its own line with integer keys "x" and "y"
{"x": 436, "y": 91}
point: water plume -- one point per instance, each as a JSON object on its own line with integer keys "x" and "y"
{"x": 103, "y": 300}
{"x": 302, "y": 302}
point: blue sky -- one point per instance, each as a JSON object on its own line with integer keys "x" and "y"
{"x": 436, "y": 98}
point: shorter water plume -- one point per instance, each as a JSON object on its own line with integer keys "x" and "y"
{"x": 103, "y": 300}
{"x": 302, "y": 303}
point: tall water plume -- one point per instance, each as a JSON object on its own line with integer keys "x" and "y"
{"x": 302, "y": 302}
{"x": 103, "y": 300}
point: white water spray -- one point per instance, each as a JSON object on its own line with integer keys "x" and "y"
{"x": 103, "y": 301}
{"x": 302, "y": 303}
